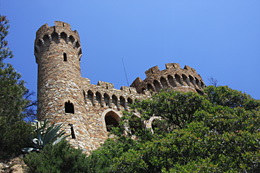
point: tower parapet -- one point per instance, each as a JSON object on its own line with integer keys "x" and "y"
{"x": 60, "y": 33}
{"x": 173, "y": 77}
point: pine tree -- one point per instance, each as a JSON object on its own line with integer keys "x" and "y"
{"x": 14, "y": 130}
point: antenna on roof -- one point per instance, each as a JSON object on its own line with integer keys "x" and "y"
{"x": 125, "y": 72}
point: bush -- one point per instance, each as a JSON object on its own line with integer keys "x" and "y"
{"x": 13, "y": 138}
{"x": 56, "y": 158}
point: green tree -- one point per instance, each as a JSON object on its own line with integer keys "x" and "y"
{"x": 14, "y": 131}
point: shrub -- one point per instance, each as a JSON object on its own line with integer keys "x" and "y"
{"x": 56, "y": 158}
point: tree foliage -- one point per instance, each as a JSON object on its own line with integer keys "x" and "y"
{"x": 14, "y": 131}
{"x": 56, "y": 158}
{"x": 216, "y": 132}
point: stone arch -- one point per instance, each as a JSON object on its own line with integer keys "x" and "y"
{"x": 46, "y": 40}
{"x": 71, "y": 39}
{"x": 157, "y": 85}
{"x": 185, "y": 80}
{"x": 178, "y": 79}
{"x": 110, "y": 118}
{"x": 192, "y": 80}
{"x": 150, "y": 121}
{"x": 171, "y": 81}
{"x": 64, "y": 36}
{"x": 69, "y": 107}
{"x": 91, "y": 97}
{"x": 55, "y": 37}
{"x": 122, "y": 101}
{"x": 129, "y": 100}
{"x": 107, "y": 99}
{"x": 99, "y": 98}
{"x": 115, "y": 100}
{"x": 163, "y": 82}
{"x": 197, "y": 82}
{"x": 77, "y": 45}
{"x": 150, "y": 87}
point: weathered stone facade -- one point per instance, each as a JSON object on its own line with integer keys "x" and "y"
{"x": 86, "y": 109}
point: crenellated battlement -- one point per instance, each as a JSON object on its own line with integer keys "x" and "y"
{"x": 173, "y": 76}
{"x": 60, "y": 33}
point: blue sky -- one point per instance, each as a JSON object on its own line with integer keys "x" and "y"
{"x": 219, "y": 38}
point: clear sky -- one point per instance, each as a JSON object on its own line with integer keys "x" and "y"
{"x": 219, "y": 38}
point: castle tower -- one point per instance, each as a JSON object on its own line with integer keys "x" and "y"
{"x": 58, "y": 52}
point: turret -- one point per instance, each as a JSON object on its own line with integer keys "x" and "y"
{"x": 58, "y": 53}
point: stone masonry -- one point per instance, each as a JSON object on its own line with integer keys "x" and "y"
{"x": 86, "y": 110}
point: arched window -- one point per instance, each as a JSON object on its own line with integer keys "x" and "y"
{"x": 171, "y": 81}
{"x": 77, "y": 44}
{"x": 46, "y": 40}
{"x": 114, "y": 100}
{"x": 130, "y": 101}
{"x": 122, "y": 101}
{"x": 198, "y": 82}
{"x": 178, "y": 79}
{"x": 157, "y": 85}
{"x": 91, "y": 97}
{"x": 163, "y": 82}
{"x": 192, "y": 80}
{"x": 63, "y": 35}
{"x": 55, "y": 37}
{"x": 112, "y": 120}
{"x": 185, "y": 80}
{"x": 98, "y": 97}
{"x": 64, "y": 56}
{"x": 150, "y": 87}
{"x": 71, "y": 39}
{"x": 106, "y": 99}
{"x": 69, "y": 107}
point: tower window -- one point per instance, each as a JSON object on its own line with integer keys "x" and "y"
{"x": 65, "y": 56}
{"x": 73, "y": 136}
{"x": 69, "y": 107}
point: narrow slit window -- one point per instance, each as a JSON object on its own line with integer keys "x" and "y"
{"x": 65, "y": 56}
{"x": 73, "y": 136}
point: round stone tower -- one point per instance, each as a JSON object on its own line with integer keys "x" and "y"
{"x": 58, "y": 52}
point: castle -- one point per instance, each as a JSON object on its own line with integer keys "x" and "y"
{"x": 85, "y": 109}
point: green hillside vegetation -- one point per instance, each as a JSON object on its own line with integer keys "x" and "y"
{"x": 216, "y": 132}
